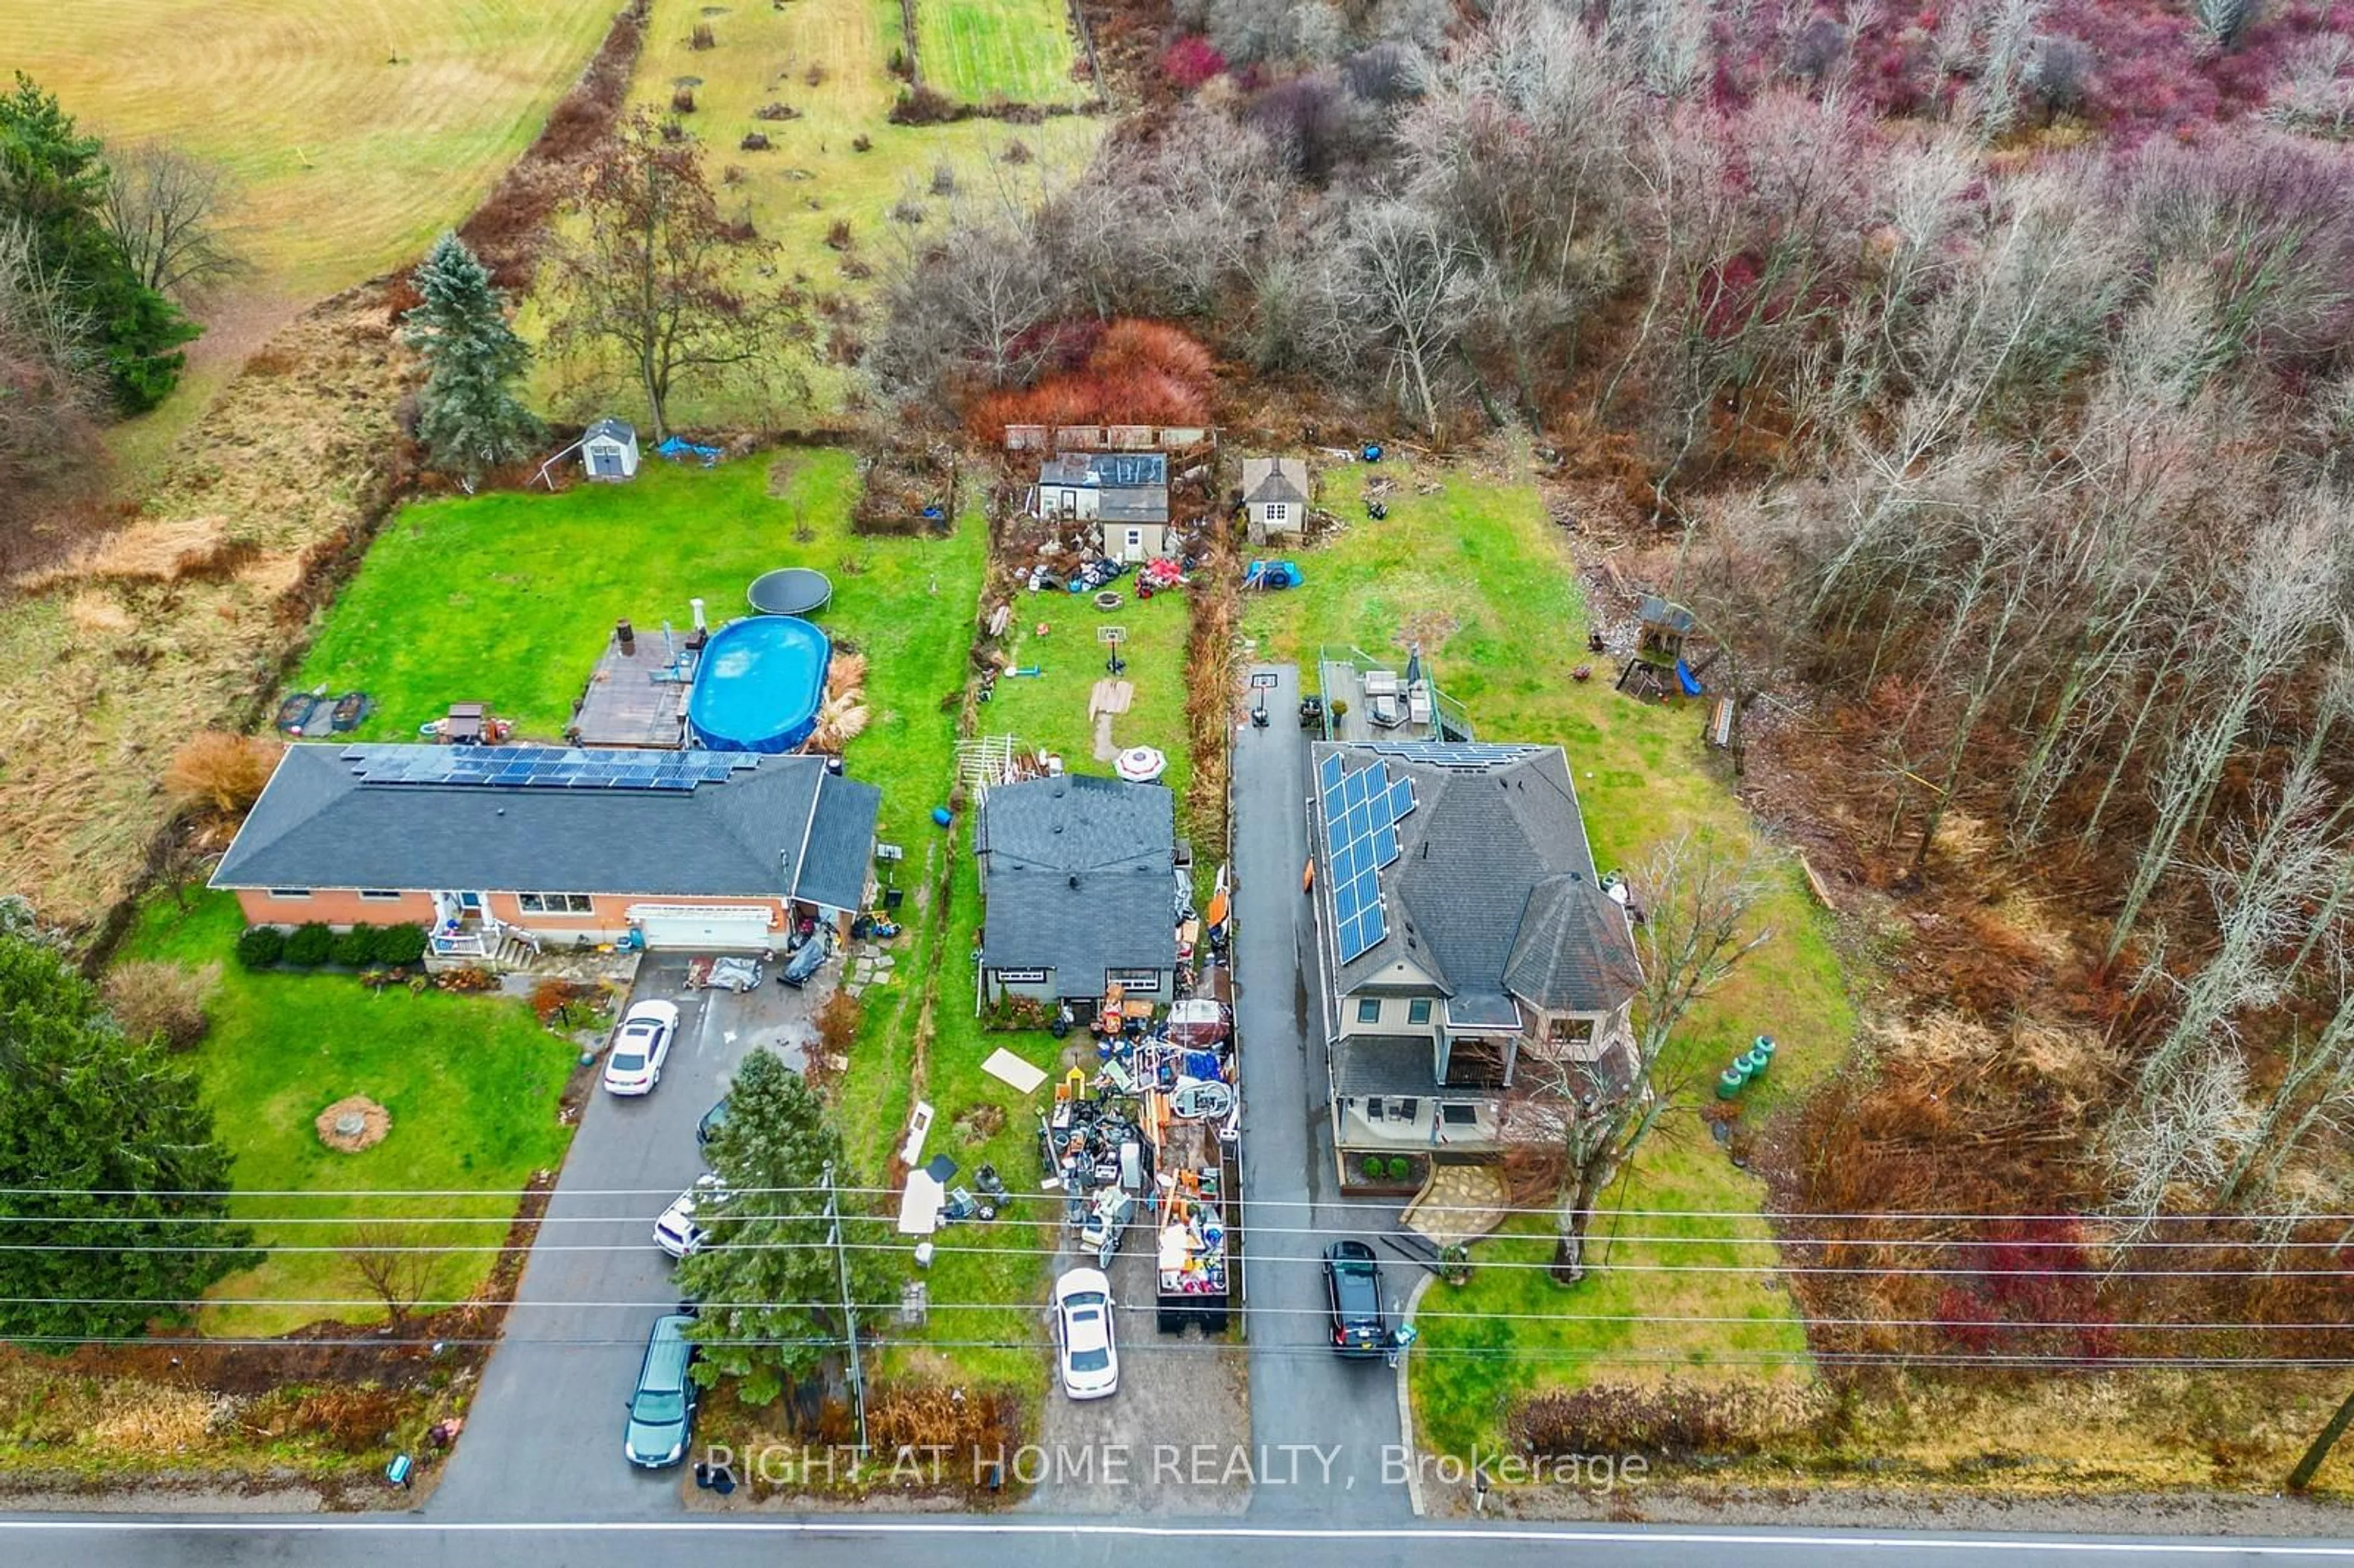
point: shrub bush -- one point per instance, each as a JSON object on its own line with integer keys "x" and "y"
{"x": 1371, "y": 1168}
{"x": 221, "y": 773}
{"x": 151, "y": 999}
{"x": 261, "y": 946}
{"x": 924, "y": 105}
{"x": 312, "y": 944}
{"x": 400, "y": 945}
{"x": 355, "y": 948}
{"x": 1398, "y": 1168}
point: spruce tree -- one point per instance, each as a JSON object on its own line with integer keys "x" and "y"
{"x": 109, "y": 1154}
{"x": 467, "y": 416}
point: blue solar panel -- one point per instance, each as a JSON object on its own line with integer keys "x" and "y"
{"x": 1401, "y": 799}
{"x": 1361, "y": 810}
{"x": 543, "y": 767}
{"x": 1329, "y": 771}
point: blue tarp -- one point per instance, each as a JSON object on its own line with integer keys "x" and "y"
{"x": 1686, "y": 680}
{"x": 1202, "y": 1065}
{"x": 677, "y": 450}
{"x": 1273, "y": 575}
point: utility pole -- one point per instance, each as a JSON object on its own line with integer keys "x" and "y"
{"x": 2327, "y": 1439}
{"x": 849, "y": 1312}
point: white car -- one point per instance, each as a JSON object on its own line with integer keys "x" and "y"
{"x": 1083, "y": 1335}
{"x": 676, "y": 1232}
{"x": 634, "y": 1064}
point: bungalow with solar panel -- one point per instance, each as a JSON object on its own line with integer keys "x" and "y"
{"x": 505, "y": 852}
{"x": 1462, "y": 930}
{"x": 1125, "y": 494}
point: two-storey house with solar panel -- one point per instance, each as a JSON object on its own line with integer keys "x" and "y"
{"x": 1462, "y": 928}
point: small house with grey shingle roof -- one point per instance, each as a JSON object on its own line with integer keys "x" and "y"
{"x": 497, "y": 850}
{"x": 1462, "y": 928}
{"x": 1125, "y": 494}
{"x": 1275, "y": 497}
{"x": 1078, "y": 884}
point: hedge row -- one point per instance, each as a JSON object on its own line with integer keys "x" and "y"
{"x": 364, "y": 947}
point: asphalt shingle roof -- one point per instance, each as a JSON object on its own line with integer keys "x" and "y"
{"x": 781, "y": 828}
{"x": 1386, "y": 1064}
{"x": 1116, "y": 840}
{"x": 1494, "y": 889}
{"x": 1274, "y": 479}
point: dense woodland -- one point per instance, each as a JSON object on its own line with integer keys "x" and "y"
{"x": 1981, "y": 376}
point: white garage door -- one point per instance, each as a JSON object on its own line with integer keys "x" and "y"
{"x": 706, "y": 931}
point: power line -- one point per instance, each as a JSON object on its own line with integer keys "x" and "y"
{"x": 1243, "y": 1309}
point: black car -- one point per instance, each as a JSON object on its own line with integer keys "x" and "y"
{"x": 1353, "y": 1283}
{"x": 712, "y": 1121}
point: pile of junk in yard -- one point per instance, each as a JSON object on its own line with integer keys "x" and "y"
{"x": 1150, "y": 1137}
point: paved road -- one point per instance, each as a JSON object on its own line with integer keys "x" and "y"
{"x": 545, "y": 1433}
{"x": 1324, "y": 1424}
{"x": 1030, "y": 1543}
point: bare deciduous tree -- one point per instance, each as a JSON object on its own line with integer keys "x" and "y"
{"x": 167, "y": 211}
{"x": 383, "y": 1258}
{"x": 1699, "y": 898}
{"x": 1404, "y": 281}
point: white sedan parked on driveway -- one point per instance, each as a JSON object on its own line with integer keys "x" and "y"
{"x": 1083, "y": 1334}
{"x": 634, "y": 1064}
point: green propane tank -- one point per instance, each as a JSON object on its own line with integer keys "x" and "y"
{"x": 1761, "y": 1052}
{"x": 1729, "y": 1082}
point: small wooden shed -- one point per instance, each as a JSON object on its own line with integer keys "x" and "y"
{"x": 609, "y": 451}
{"x": 1275, "y": 497}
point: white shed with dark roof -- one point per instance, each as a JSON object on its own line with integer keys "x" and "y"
{"x": 608, "y": 451}
{"x": 1275, "y": 497}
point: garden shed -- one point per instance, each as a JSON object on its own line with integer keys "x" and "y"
{"x": 609, "y": 451}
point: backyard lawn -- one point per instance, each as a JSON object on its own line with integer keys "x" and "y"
{"x": 471, "y": 1085}
{"x": 1481, "y": 579}
{"x": 977, "y": 50}
{"x": 509, "y": 599}
{"x": 1049, "y": 710}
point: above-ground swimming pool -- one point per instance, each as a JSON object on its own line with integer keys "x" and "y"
{"x": 758, "y": 685}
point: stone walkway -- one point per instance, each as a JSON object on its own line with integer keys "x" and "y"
{"x": 1459, "y": 1204}
{"x": 870, "y": 964}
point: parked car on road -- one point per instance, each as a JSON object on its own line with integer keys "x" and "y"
{"x": 712, "y": 1121}
{"x": 1353, "y": 1284}
{"x": 1083, "y": 1336}
{"x": 662, "y": 1410}
{"x": 676, "y": 1231}
{"x": 634, "y": 1064}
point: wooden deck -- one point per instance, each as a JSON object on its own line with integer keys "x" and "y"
{"x": 625, "y": 705}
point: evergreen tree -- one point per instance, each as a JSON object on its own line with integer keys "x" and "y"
{"x": 468, "y": 418}
{"x": 54, "y": 180}
{"x": 769, "y": 1245}
{"x": 104, "y": 1146}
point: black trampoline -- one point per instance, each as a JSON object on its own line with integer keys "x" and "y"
{"x": 794, "y": 590}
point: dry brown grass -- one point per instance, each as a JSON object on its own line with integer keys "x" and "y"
{"x": 100, "y": 681}
{"x": 151, "y": 1418}
{"x": 221, "y": 773}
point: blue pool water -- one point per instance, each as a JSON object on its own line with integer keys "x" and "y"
{"x": 758, "y": 685}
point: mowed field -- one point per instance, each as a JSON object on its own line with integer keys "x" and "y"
{"x": 979, "y": 50}
{"x": 811, "y": 175}
{"x": 356, "y": 128}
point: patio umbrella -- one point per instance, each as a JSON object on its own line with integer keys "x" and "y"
{"x": 1141, "y": 765}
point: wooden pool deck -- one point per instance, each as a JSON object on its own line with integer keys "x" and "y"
{"x": 626, "y": 705}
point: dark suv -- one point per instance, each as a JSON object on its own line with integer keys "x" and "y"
{"x": 1353, "y": 1283}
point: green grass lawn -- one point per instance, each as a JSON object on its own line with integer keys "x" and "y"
{"x": 1479, "y": 576}
{"x": 1050, "y": 710}
{"x": 470, "y": 1081}
{"x": 509, "y": 599}
{"x": 977, "y": 50}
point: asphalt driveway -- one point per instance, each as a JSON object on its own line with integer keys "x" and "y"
{"x": 1337, "y": 1418}
{"x": 543, "y": 1436}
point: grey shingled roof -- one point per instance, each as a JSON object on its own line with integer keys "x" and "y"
{"x": 1274, "y": 479}
{"x": 1387, "y": 1064}
{"x": 1116, "y": 840}
{"x": 1133, "y": 506}
{"x": 1490, "y": 824}
{"x": 780, "y": 829}
{"x": 618, "y": 429}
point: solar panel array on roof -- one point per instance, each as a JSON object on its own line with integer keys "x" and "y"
{"x": 1360, "y": 817}
{"x": 544, "y": 767}
{"x": 1468, "y": 755}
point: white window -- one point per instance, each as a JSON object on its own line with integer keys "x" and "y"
{"x": 1135, "y": 980}
{"x": 1369, "y": 1009}
{"x": 290, "y": 893}
{"x": 1136, "y": 538}
{"x": 1418, "y": 1010}
{"x": 1277, "y": 511}
{"x": 378, "y": 894}
{"x": 556, "y": 903}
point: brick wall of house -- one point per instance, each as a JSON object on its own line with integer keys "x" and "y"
{"x": 337, "y": 906}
